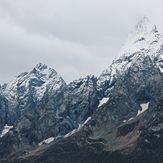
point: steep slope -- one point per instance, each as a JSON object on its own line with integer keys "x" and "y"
{"x": 128, "y": 127}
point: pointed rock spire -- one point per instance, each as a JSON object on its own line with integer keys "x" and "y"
{"x": 144, "y": 26}
{"x": 42, "y": 69}
{"x": 144, "y": 37}
{"x": 144, "y": 41}
{"x": 41, "y": 66}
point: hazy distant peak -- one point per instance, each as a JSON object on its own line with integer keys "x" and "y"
{"x": 144, "y": 26}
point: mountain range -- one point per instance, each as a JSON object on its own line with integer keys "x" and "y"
{"x": 114, "y": 118}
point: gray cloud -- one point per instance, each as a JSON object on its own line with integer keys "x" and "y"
{"x": 76, "y": 38}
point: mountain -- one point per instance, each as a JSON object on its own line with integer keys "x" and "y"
{"x": 56, "y": 115}
{"x": 33, "y": 85}
{"x": 27, "y": 89}
{"x": 128, "y": 128}
{"x": 144, "y": 41}
{"x": 117, "y": 117}
{"x": 64, "y": 111}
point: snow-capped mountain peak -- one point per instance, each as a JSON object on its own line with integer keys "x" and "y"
{"x": 143, "y": 41}
{"x": 34, "y": 83}
{"x": 145, "y": 26}
{"x": 43, "y": 72}
{"x": 144, "y": 37}
{"x": 41, "y": 66}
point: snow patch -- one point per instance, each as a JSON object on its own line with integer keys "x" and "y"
{"x": 5, "y": 130}
{"x": 161, "y": 69}
{"x": 71, "y": 133}
{"x": 144, "y": 107}
{"x": 103, "y": 101}
{"x": 88, "y": 119}
{"x": 130, "y": 119}
{"x": 47, "y": 141}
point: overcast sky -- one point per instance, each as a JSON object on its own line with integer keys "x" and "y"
{"x": 75, "y": 37}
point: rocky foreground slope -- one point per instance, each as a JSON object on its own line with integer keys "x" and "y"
{"x": 117, "y": 117}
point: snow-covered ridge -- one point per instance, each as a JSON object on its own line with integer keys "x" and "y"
{"x": 103, "y": 101}
{"x": 36, "y": 82}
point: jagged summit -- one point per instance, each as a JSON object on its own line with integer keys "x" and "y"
{"x": 41, "y": 66}
{"x": 144, "y": 37}
{"x": 44, "y": 72}
{"x": 143, "y": 41}
{"x": 145, "y": 26}
{"x": 36, "y": 82}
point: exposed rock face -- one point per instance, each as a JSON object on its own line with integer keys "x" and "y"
{"x": 127, "y": 128}
{"x": 55, "y": 116}
{"x": 64, "y": 111}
